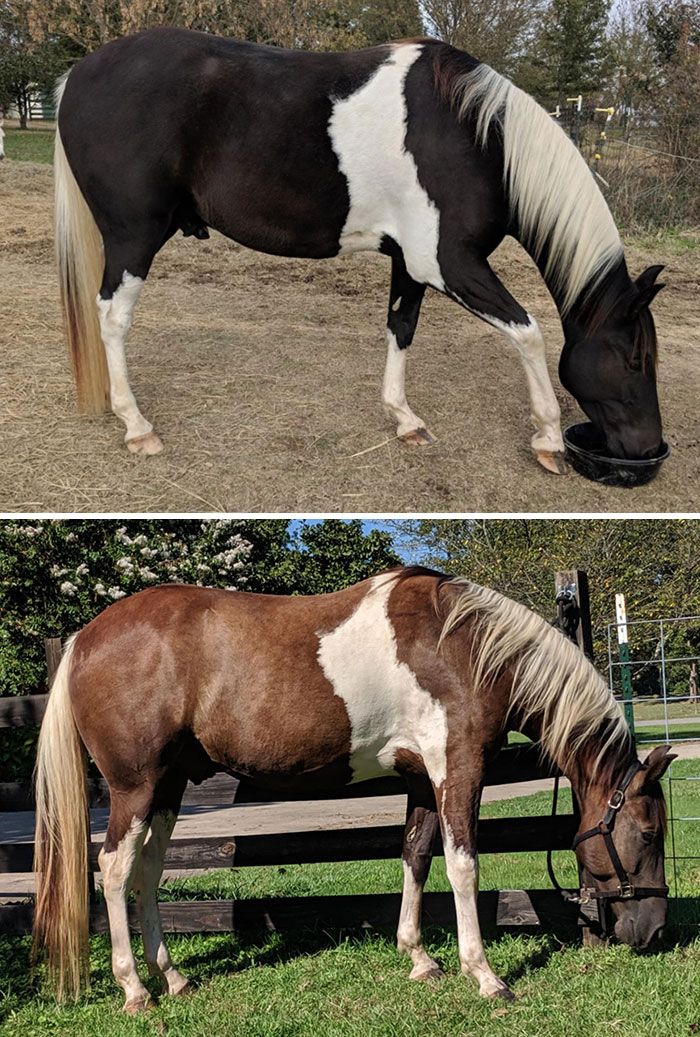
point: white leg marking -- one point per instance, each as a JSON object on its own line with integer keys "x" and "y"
{"x": 463, "y": 873}
{"x": 394, "y": 388}
{"x": 117, "y": 870}
{"x": 544, "y": 409}
{"x": 149, "y": 869}
{"x": 368, "y": 133}
{"x": 116, "y": 315}
{"x": 387, "y": 708}
{"x": 409, "y": 938}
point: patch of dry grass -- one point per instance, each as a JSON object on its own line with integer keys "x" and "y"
{"x": 262, "y": 376}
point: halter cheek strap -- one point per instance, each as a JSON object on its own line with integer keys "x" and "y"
{"x": 625, "y": 889}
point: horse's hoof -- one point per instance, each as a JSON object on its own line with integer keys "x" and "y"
{"x": 426, "y": 972}
{"x": 148, "y": 444}
{"x": 503, "y": 993}
{"x": 181, "y": 990}
{"x": 552, "y": 460}
{"x": 138, "y": 1005}
{"x": 418, "y": 437}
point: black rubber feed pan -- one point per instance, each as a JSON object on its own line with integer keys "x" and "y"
{"x": 585, "y": 451}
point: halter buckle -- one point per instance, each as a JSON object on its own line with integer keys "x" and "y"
{"x": 617, "y": 799}
{"x": 626, "y": 891}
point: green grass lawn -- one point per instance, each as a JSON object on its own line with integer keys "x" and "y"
{"x": 352, "y": 983}
{"x": 29, "y": 145}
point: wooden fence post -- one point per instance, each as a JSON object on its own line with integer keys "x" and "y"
{"x": 53, "y": 649}
{"x": 574, "y": 620}
{"x": 573, "y": 602}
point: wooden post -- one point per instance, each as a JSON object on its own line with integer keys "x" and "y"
{"x": 53, "y": 649}
{"x": 574, "y": 620}
{"x": 625, "y": 670}
{"x": 574, "y": 607}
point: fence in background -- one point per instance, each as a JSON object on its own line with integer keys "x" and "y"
{"x": 662, "y": 670}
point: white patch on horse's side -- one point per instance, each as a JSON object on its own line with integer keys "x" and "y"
{"x": 368, "y": 132}
{"x": 387, "y": 708}
{"x": 115, "y": 316}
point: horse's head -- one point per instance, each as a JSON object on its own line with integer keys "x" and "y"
{"x": 620, "y": 848}
{"x": 609, "y": 365}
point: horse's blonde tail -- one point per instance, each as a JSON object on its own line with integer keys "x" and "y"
{"x": 61, "y": 916}
{"x": 80, "y": 264}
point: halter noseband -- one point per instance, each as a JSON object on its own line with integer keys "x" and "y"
{"x": 625, "y": 889}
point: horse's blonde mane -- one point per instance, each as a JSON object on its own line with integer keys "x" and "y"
{"x": 553, "y": 193}
{"x": 552, "y": 679}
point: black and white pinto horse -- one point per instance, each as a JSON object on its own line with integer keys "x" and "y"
{"x": 413, "y": 149}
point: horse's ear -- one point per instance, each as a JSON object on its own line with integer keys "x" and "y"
{"x": 647, "y": 278}
{"x": 657, "y": 761}
{"x": 645, "y": 295}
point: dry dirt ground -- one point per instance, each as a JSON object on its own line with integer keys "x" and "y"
{"x": 262, "y": 377}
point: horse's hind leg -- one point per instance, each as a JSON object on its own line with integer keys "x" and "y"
{"x": 126, "y": 268}
{"x": 418, "y": 846}
{"x": 149, "y": 869}
{"x": 405, "y": 299}
{"x": 126, "y": 832}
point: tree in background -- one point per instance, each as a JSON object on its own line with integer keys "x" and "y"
{"x": 655, "y": 563}
{"x": 674, "y": 29}
{"x": 312, "y": 24}
{"x": 25, "y": 63}
{"x": 498, "y": 32}
{"x": 571, "y": 53}
{"x": 632, "y": 63}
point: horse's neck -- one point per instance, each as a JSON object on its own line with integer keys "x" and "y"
{"x": 590, "y": 306}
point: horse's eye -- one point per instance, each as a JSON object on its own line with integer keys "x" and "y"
{"x": 648, "y": 837}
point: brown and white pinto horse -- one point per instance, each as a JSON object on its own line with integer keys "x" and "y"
{"x": 409, "y": 672}
{"x": 412, "y": 149}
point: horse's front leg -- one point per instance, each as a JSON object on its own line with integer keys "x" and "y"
{"x": 458, "y": 812}
{"x": 405, "y": 299}
{"x": 418, "y": 848}
{"x": 479, "y": 290}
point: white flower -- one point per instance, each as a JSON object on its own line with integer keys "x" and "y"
{"x": 55, "y": 571}
{"x": 100, "y": 589}
{"x": 82, "y": 569}
{"x": 116, "y": 592}
{"x": 68, "y": 589}
{"x": 148, "y": 574}
{"x": 71, "y": 537}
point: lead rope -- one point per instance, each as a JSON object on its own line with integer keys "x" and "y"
{"x": 571, "y": 898}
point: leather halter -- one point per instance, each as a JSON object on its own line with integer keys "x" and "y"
{"x": 625, "y": 890}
